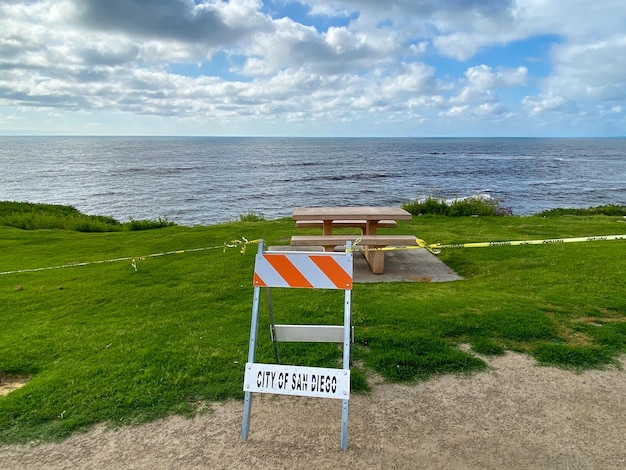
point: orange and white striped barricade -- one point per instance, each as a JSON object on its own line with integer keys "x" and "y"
{"x": 307, "y": 270}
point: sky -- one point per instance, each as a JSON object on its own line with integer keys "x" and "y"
{"x": 554, "y": 68}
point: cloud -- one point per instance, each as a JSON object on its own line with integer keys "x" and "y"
{"x": 480, "y": 95}
{"x": 457, "y": 28}
{"x": 411, "y": 79}
{"x": 592, "y": 71}
{"x": 108, "y": 54}
{"x": 335, "y": 61}
{"x": 293, "y": 45}
{"x": 402, "y": 8}
{"x": 483, "y": 77}
{"x": 208, "y": 23}
{"x": 548, "y": 103}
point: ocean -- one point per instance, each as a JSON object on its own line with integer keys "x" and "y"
{"x": 208, "y": 180}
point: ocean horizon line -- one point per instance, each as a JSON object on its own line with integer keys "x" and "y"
{"x": 200, "y": 136}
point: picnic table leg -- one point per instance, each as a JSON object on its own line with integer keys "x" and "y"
{"x": 370, "y": 227}
{"x": 376, "y": 260}
{"x": 327, "y": 227}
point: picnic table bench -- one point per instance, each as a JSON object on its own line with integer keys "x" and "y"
{"x": 367, "y": 218}
{"x": 345, "y": 223}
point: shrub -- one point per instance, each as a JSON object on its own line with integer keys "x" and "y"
{"x": 463, "y": 207}
{"x": 36, "y": 216}
{"x": 609, "y": 209}
{"x": 149, "y": 224}
{"x": 251, "y": 216}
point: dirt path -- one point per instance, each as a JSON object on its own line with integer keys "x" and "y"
{"x": 517, "y": 415}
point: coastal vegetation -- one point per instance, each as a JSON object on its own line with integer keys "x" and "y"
{"x": 123, "y": 326}
{"x": 460, "y": 207}
{"x": 486, "y": 206}
{"x": 37, "y": 216}
{"x": 609, "y": 209}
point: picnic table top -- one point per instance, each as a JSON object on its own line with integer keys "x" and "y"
{"x": 351, "y": 213}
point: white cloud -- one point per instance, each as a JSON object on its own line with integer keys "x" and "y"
{"x": 293, "y": 45}
{"x": 594, "y": 70}
{"x": 410, "y": 78}
{"x": 480, "y": 95}
{"x": 209, "y": 23}
{"x": 547, "y": 103}
{"x": 489, "y": 109}
{"x": 483, "y": 77}
{"x": 371, "y": 60}
{"x": 455, "y": 111}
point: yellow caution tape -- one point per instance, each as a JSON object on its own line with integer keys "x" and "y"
{"x": 353, "y": 248}
{"x": 419, "y": 244}
{"x": 437, "y": 247}
{"x": 243, "y": 243}
{"x": 549, "y": 241}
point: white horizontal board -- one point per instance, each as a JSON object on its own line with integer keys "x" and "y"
{"x": 279, "y": 379}
{"x": 309, "y": 333}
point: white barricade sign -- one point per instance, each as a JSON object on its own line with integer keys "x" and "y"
{"x": 317, "y": 382}
{"x": 301, "y": 270}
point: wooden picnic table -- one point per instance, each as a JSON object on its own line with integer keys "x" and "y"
{"x": 370, "y": 214}
{"x": 367, "y": 218}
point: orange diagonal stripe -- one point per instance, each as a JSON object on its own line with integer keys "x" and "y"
{"x": 258, "y": 282}
{"x": 288, "y": 271}
{"x": 334, "y": 271}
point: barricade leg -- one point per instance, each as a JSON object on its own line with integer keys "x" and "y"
{"x": 254, "y": 328}
{"x": 247, "y": 406}
{"x": 344, "y": 424}
{"x": 347, "y": 337}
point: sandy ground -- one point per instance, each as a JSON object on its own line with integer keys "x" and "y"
{"x": 517, "y": 415}
{"x": 8, "y": 384}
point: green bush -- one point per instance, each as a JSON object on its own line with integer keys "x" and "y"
{"x": 610, "y": 210}
{"x": 149, "y": 224}
{"x": 465, "y": 207}
{"x": 36, "y": 216}
{"x": 251, "y": 216}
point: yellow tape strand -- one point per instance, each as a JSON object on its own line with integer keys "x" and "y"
{"x": 436, "y": 248}
{"x": 549, "y": 241}
{"x": 419, "y": 244}
{"x": 243, "y": 243}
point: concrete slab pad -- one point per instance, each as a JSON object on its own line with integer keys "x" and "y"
{"x": 415, "y": 265}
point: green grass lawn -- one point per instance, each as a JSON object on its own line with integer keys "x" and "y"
{"x": 104, "y": 343}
